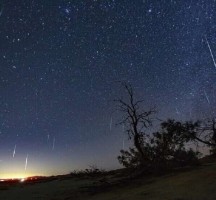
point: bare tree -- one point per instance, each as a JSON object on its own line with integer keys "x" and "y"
{"x": 135, "y": 119}
{"x": 205, "y": 132}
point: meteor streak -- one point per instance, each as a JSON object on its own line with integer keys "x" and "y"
{"x": 210, "y": 51}
{"x": 26, "y": 163}
{"x": 206, "y": 96}
{"x": 14, "y": 152}
{"x": 123, "y": 144}
{"x": 110, "y": 123}
{"x": 123, "y": 128}
{"x": 1, "y": 9}
{"x": 190, "y": 112}
{"x": 177, "y": 112}
{"x": 53, "y": 147}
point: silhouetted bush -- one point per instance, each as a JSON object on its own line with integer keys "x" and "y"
{"x": 91, "y": 171}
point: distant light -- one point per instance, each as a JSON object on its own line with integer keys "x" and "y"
{"x": 2, "y": 180}
{"x": 22, "y": 180}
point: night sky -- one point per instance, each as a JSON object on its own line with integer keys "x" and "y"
{"x": 60, "y": 63}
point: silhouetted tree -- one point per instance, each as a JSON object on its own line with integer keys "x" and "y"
{"x": 130, "y": 158}
{"x": 169, "y": 145}
{"x": 203, "y": 131}
{"x": 166, "y": 149}
{"x": 136, "y": 120}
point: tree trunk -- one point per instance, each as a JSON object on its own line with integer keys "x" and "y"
{"x": 138, "y": 146}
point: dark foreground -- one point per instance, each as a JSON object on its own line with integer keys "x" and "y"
{"x": 196, "y": 184}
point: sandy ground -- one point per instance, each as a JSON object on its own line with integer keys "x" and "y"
{"x": 198, "y": 184}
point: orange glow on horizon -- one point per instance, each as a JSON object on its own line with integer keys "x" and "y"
{"x": 15, "y": 176}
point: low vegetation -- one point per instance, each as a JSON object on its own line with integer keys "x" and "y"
{"x": 172, "y": 146}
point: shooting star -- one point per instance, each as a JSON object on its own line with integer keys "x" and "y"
{"x": 177, "y": 111}
{"x": 123, "y": 144}
{"x": 210, "y": 52}
{"x": 190, "y": 112}
{"x": 48, "y": 137}
{"x": 14, "y": 152}
{"x": 26, "y": 163}
{"x": 123, "y": 128}
{"x": 53, "y": 147}
{"x": 111, "y": 124}
{"x": 206, "y": 96}
{"x": 1, "y": 9}
{"x": 91, "y": 85}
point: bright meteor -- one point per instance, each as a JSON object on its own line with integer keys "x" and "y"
{"x": 26, "y": 163}
{"x": 206, "y": 96}
{"x": 210, "y": 51}
{"x": 14, "y": 152}
{"x": 53, "y": 147}
{"x": 111, "y": 124}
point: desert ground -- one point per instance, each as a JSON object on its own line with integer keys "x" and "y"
{"x": 189, "y": 184}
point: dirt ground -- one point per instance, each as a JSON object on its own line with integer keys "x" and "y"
{"x": 196, "y": 184}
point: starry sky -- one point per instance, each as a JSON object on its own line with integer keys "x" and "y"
{"x": 60, "y": 64}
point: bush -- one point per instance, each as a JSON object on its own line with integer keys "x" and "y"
{"x": 165, "y": 150}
